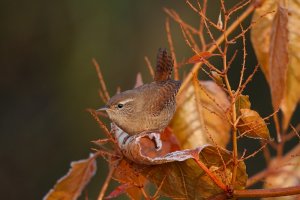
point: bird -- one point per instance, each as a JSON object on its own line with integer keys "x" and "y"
{"x": 149, "y": 107}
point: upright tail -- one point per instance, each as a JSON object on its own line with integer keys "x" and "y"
{"x": 164, "y": 66}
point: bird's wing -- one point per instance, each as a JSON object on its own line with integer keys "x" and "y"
{"x": 162, "y": 96}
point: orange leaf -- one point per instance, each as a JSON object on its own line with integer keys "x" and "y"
{"x": 125, "y": 174}
{"x": 181, "y": 178}
{"x": 201, "y": 115}
{"x": 71, "y": 185}
{"x": 199, "y": 57}
{"x": 252, "y": 125}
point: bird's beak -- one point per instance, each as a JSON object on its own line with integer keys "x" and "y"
{"x": 102, "y": 109}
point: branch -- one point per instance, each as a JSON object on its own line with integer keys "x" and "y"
{"x": 230, "y": 29}
{"x": 274, "y": 192}
{"x": 106, "y": 183}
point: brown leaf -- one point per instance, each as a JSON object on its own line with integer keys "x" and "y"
{"x": 71, "y": 185}
{"x": 286, "y": 173}
{"x": 177, "y": 168}
{"x": 252, "y": 125}
{"x": 184, "y": 179}
{"x": 276, "y": 42}
{"x": 199, "y": 57}
{"x": 145, "y": 148}
{"x": 242, "y": 102}
{"x": 278, "y": 56}
{"x": 195, "y": 123}
{"x": 129, "y": 178}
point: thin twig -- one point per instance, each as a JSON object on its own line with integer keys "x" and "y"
{"x": 106, "y": 183}
{"x": 244, "y": 59}
{"x": 277, "y": 126}
{"x": 230, "y": 29}
{"x": 255, "y": 152}
{"x": 174, "y": 15}
{"x": 200, "y": 34}
{"x": 149, "y": 66}
{"x": 240, "y": 5}
{"x": 101, "y": 80}
{"x": 170, "y": 41}
{"x": 101, "y": 124}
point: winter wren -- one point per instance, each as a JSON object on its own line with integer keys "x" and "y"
{"x": 149, "y": 107}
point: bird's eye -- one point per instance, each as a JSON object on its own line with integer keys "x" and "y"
{"x": 120, "y": 105}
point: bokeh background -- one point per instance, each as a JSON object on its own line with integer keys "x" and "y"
{"x": 47, "y": 80}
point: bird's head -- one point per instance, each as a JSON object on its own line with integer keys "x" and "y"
{"x": 120, "y": 107}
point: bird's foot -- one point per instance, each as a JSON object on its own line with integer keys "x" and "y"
{"x": 155, "y": 137}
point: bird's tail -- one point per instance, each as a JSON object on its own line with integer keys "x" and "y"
{"x": 164, "y": 66}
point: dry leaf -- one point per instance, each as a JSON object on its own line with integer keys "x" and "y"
{"x": 145, "y": 148}
{"x": 276, "y": 42}
{"x": 252, "y": 125}
{"x": 220, "y": 23}
{"x": 194, "y": 129}
{"x": 184, "y": 179}
{"x": 288, "y": 175}
{"x": 131, "y": 180}
{"x": 278, "y": 56}
{"x": 217, "y": 78}
{"x": 199, "y": 57}
{"x": 242, "y": 102}
{"x": 181, "y": 176}
{"x": 71, "y": 185}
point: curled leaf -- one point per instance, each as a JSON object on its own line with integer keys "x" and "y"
{"x": 166, "y": 169}
{"x": 71, "y": 185}
{"x": 252, "y": 125}
{"x": 242, "y": 102}
{"x": 196, "y": 123}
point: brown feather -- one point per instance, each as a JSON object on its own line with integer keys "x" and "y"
{"x": 164, "y": 66}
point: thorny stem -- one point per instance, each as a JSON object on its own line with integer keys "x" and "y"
{"x": 231, "y": 28}
{"x": 231, "y": 94}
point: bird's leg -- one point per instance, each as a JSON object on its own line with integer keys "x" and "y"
{"x": 156, "y": 138}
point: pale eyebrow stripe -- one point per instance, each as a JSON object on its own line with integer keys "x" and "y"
{"x": 126, "y": 101}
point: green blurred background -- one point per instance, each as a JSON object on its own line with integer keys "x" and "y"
{"x": 47, "y": 80}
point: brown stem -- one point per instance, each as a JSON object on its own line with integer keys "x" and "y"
{"x": 277, "y": 126}
{"x": 274, "y": 192}
{"x": 219, "y": 183}
{"x": 106, "y": 183}
{"x": 257, "y": 177}
{"x": 270, "y": 170}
